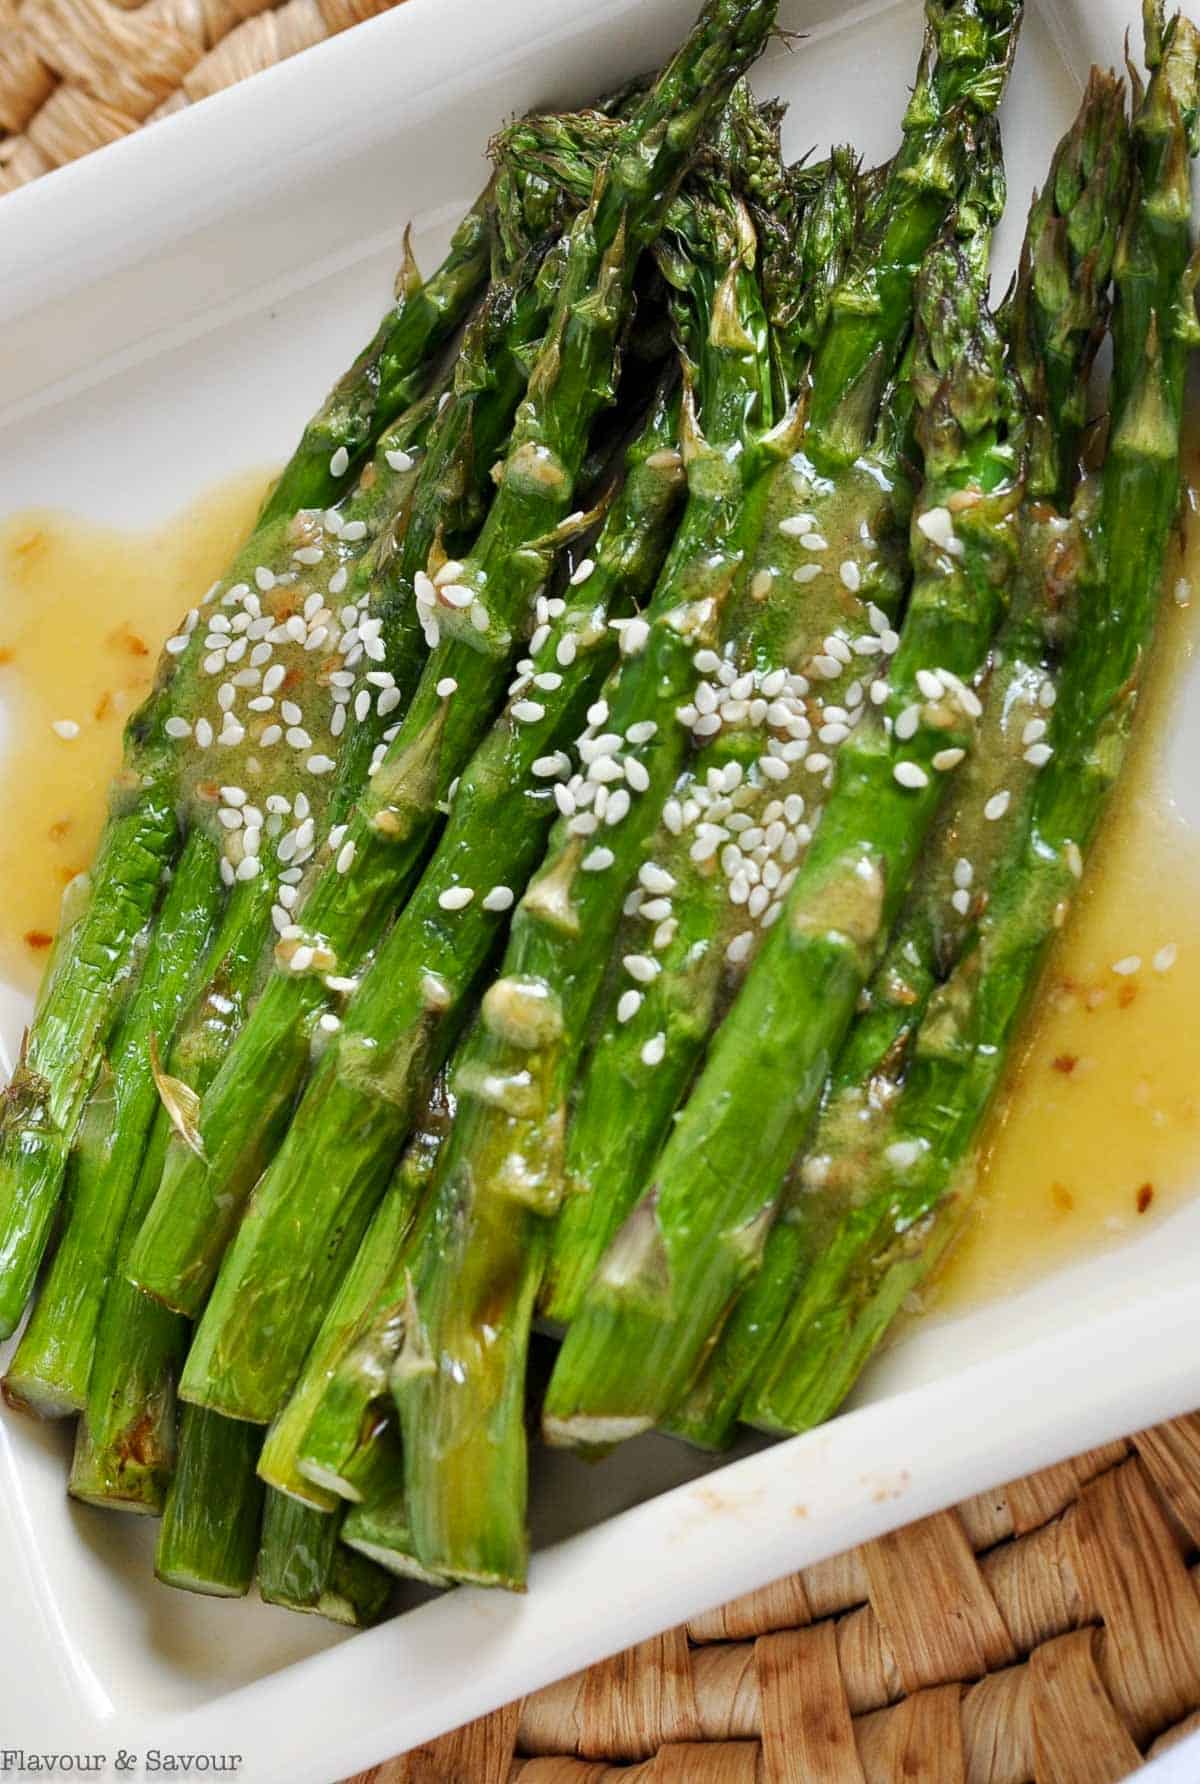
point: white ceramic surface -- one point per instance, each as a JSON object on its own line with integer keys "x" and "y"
{"x": 170, "y": 309}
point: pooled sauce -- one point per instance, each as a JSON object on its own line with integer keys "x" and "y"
{"x": 84, "y": 610}
{"x": 1097, "y": 1130}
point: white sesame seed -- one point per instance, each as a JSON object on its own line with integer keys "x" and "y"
{"x": 656, "y": 879}
{"x": 264, "y": 578}
{"x": 961, "y": 900}
{"x": 456, "y": 898}
{"x": 1047, "y": 695}
{"x": 776, "y": 770}
{"x": 655, "y": 1050}
{"x": 628, "y": 1005}
{"x": 1034, "y": 731}
{"x": 248, "y": 867}
{"x": 851, "y": 576}
{"x": 929, "y": 684}
{"x": 937, "y": 524}
{"x": 964, "y": 873}
{"x": 298, "y": 738}
{"x": 911, "y": 774}
{"x": 636, "y": 775}
{"x": 479, "y": 616}
{"x": 1132, "y": 963}
{"x": 1038, "y": 754}
{"x": 387, "y": 702}
{"x": 500, "y": 898}
{"x": 564, "y": 799}
{"x": 548, "y": 767}
{"x": 616, "y": 807}
{"x": 761, "y": 585}
{"x": 807, "y": 573}
{"x": 707, "y": 724}
{"x": 814, "y": 542}
{"x": 308, "y": 554}
{"x": 337, "y": 721}
{"x": 320, "y": 764}
{"x": 739, "y": 948}
{"x": 1166, "y": 957}
{"x": 338, "y": 580}
{"x": 204, "y": 733}
{"x": 634, "y": 637}
{"x": 903, "y": 1153}
{"x": 827, "y": 667}
{"x": 398, "y": 459}
{"x": 339, "y": 463}
{"x": 177, "y": 727}
{"x": 997, "y": 805}
{"x": 175, "y": 646}
{"x": 271, "y": 735}
{"x": 227, "y": 872}
{"x": 583, "y": 572}
{"x": 528, "y": 712}
{"x": 797, "y": 525}
{"x": 353, "y": 531}
{"x": 597, "y": 860}
{"x": 945, "y": 760}
{"x": 346, "y": 854}
{"x": 641, "y": 968}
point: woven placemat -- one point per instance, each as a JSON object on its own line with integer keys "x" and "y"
{"x": 76, "y": 74}
{"x": 1044, "y": 1633}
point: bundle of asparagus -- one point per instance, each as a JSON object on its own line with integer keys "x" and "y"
{"x": 590, "y": 854}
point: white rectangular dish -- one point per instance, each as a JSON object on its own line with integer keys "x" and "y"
{"x": 171, "y": 309}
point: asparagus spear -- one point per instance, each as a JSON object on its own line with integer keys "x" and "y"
{"x": 570, "y": 384}
{"x": 446, "y": 503}
{"x": 1056, "y": 321}
{"x": 50, "y": 1370}
{"x": 969, "y": 48}
{"x": 380, "y": 1529}
{"x": 359, "y": 1106}
{"x": 661, "y": 1003}
{"x": 914, "y": 1199}
{"x": 208, "y": 1540}
{"x": 671, "y": 1274}
{"x": 49, "y": 1373}
{"x": 500, "y": 1174}
{"x": 389, "y": 373}
{"x": 345, "y": 1344}
{"x": 42, "y": 1106}
{"x": 303, "y": 1566}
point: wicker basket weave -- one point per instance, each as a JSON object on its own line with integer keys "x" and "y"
{"x": 76, "y": 74}
{"x": 1044, "y": 1633}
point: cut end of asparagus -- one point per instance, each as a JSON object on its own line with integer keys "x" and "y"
{"x": 183, "y": 1580}
{"x": 38, "y": 1398}
{"x": 325, "y": 1481}
{"x": 582, "y": 1431}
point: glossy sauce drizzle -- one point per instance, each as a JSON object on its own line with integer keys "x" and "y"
{"x": 83, "y": 612}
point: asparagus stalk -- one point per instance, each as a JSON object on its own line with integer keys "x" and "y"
{"x": 380, "y": 1529}
{"x": 459, "y": 1380}
{"x": 471, "y": 643}
{"x": 389, "y": 373}
{"x": 359, "y": 1106}
{"x": 42, "y": 1106}
{"x": 969, "y": 48}
{"x": 208, "y": 1540}
{"x": 346, "y": 1342}
{"x": 50, "y": 1371}
{"x": 727, "y": 820}
{"x": 1056, "y": 320}
{"x": 913, "y": 1201}
{"x": 671, "y": 1274}
{"x": 303, "y": 1566}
